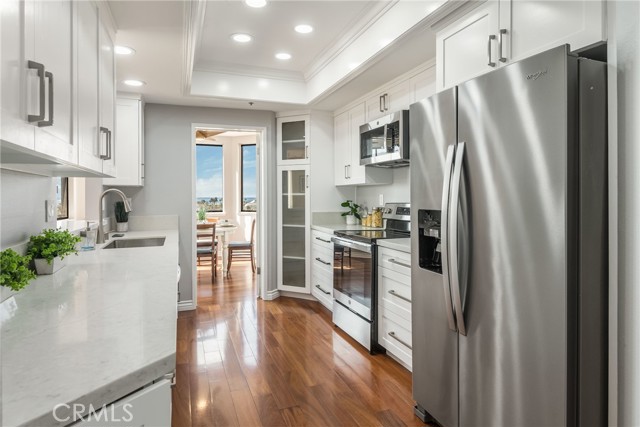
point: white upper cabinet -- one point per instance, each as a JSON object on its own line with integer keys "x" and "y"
{"x": 89, "y": 148}
{"x": 293, "y": 136}
{"x": 392, "y": 99}
{"x": 14, "y": 126}
{"x": 423, "y": 84}
{"x": 107, "y": 75}
{"x": 130, "y": 137}
{"x": 48, "y": 45}
{"x": 501, "y": 31}
{"x": 347, "y": 169}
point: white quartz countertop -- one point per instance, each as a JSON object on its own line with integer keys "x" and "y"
{"x": 100, "y": 328}
{"x": 403, "y": 245}
{"x": 330, "y": 228}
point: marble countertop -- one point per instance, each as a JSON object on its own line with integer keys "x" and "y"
{"x": 330, "y": 228}
{"x": 98, "y": 329}
{"x": 403, "y": 245}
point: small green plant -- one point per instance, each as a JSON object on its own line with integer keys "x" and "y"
{"x": 202, "y": 214}
{"x": 121, "y": 214}
{"x": 353, "y": 209}
{"x": 14, "y": 270}
{"x": 52, "y": 243}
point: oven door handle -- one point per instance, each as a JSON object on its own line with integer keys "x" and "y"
{"x": 351, "y": 244}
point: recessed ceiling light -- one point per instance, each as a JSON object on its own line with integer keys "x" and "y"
{"x": 304, "y": 28}
{"x": 241, "y": 37}
{"x": 124, "y": 50}
{"x": 135, "y": 83}
{"x": 256, "y": 3}
{"x": 283, "y": 56}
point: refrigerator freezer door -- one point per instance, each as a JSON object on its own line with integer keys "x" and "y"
{"x": 513, "y": 361}
{"x": 435, "y": 353}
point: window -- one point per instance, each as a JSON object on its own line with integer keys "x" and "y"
{"x": 248, "y": 185}
{"x": 209, "y": 182}
{"x": 62, "y": 197}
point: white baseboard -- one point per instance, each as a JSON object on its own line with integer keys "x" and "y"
{"x": 297, "y": 295}
{"x": 271, "y": 295}
{"x": 186, "y": 305}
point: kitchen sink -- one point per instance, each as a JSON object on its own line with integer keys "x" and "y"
{"x": 136, "y": 243}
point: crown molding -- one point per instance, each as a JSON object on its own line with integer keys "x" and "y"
{"x": 194, "y": 13}
{"x": 248, "y": 71}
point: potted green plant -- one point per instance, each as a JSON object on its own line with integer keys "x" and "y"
{"x": 122, "y": 217}
{"x": 202, "y": 214}
{"x": 353, "y": 214}
{"x": 14, "y": 270}
{"x": 49, "y": 248}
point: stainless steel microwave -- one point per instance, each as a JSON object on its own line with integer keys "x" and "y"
{"x": 384, "y": 142}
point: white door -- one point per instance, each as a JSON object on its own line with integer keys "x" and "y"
{"x": 374, "y": 107}
{"x": 398, "y": 97}
{"x": 356, "y": 174}
{"x": 293, "y": 137}
{"x": 13, "y": 85}
{"x": 49, "y": 32}
{"x": 468, "y": 47}
{"x": 342, "y": 148}
{"x": 535, "y": 26}
{"x": 107, "y": 100}
{"x": 424, "y": 84}
{"x": 129, "y": 137}
{"x": 87, "y": 86}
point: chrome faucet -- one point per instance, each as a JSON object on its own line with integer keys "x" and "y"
{"x": 102, "y": 236}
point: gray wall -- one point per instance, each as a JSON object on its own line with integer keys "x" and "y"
{"x": 626, "y": 34}
{"x": 22, "y": 212}
{"x": 398, "y": 191}
{"x": 168, "y": 171}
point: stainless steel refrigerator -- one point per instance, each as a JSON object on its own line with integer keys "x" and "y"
{"x": 509, "y": 246}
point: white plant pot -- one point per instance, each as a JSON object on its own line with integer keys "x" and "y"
{"x": 351, "y": 220}
{"x": 122, "y": 226}
{"x": 43, "y": 267}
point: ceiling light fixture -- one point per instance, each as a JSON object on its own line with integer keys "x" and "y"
{"x": 241, "y": 37}
{"x": 124, "y": 50}
{"x": 256, "y": 3}
{"x": 283, "y": 56}
{"x": 303, "y": 28}
{"x": 135, "y": 83}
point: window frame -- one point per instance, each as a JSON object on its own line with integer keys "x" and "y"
{"x": 64, "y": 198}
{"x": 222, "y": 211}
{"x": 242, "y": 210}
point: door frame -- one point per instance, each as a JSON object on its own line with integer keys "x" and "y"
{"x": 262, "y": 216}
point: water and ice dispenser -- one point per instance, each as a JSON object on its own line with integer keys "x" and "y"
{"x": 429, "y": 235}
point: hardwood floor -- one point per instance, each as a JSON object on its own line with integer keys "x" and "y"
{"x": 247, "y": 362}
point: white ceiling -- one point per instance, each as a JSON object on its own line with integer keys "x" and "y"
{"x": 157, "y": 30}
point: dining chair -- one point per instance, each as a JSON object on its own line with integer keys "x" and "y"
{"x": 207, "y": 245}
{"x": 243, "y": 249}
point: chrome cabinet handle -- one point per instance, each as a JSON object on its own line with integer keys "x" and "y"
{"x": 105, "y": 131}
{"x": 393, "y": 261}
{"x": 392, "y": 292}
{"x": 109, "y": 144}
{"x": 319, "y": 287}
{"x": 32, "y": 65}
{"x": 322, "y": 261}
{"x": 491, "y": 37}
{"x": 444, "y": 241}
{"x": 323, "y": 240}
{"x": 345, "y": 171}
{"x": 501, "y": 58}
{"x": 306, "y": 151}
{"x": 349, "y": 171}
{"x": 453, "y": 252}
{"x": 385, "y": 97}
{"x": 404, "y": 343}
{"x": 306, "y": 180}
{"x": 49, "y": 122}
{"x": 380, "y": 103}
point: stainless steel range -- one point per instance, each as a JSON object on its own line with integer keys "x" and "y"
{"x": 355, "y": 274}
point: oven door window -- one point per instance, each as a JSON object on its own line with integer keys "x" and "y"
{"x": 352, "y": 270}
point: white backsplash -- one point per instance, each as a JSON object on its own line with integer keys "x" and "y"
{"x": 399, "y": 191}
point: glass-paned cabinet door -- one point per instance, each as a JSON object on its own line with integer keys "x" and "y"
{"x": 293, "y": 140}
{"x": 293, "y": 228}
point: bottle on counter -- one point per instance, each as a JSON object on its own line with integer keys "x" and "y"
{"x": 90, "y": 235}
{"x": 376, "y": 221}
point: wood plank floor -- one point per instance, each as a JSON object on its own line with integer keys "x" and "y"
{"x": 246, "y": 362}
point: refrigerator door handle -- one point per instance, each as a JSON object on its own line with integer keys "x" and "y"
{"x": 444, "y": 244}
{"x": 454, "y": 266}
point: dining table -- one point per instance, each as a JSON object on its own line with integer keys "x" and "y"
{"x": 224, "y": 229}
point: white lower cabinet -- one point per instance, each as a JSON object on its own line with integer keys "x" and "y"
{"x": 322, "y": 268}
{"x": 394, "y": 304}
{"x": 150, "y": 406}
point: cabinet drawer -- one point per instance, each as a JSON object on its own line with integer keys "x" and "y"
{"x": 322, "y": 287}
{"x": 395, "y": 260}
{"x": 322, "y": 258}
{"x": 321, "y": 239}
{"x": 394, "y": 292}
{"x": 394, "y": 334}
